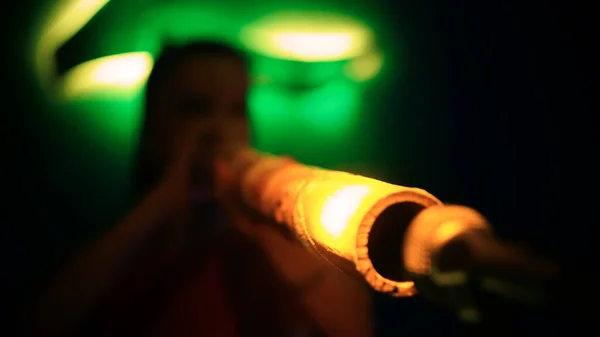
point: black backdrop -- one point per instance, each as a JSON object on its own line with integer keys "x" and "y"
{"x": 508, "y": 84}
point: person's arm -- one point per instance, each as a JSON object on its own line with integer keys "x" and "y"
{"x": 79, "y": 288}
{"x": 340, "y": 305}
{"x": 71, "y": 297}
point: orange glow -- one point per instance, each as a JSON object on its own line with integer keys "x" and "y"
{"x": 339, "y": 208}
{"x": 332, "y": 212}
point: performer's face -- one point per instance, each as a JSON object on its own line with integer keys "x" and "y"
{"x": 210, "y": 91}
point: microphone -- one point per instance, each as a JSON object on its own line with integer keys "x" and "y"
{"x": 452, "y": 255}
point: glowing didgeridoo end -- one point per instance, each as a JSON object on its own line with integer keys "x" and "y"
{"x": 354, "y": 222}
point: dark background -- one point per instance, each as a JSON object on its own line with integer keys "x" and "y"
{"x": 505, "y": 85}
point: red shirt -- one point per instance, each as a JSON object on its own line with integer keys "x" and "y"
{"x": 228, "y": 290}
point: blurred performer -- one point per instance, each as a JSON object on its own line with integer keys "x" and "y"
{"x": 187, "y": 261}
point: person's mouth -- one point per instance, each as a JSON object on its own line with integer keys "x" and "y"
{"x": 202, "y": 185}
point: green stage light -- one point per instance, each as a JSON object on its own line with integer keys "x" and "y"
{"x": 307, "y": 36}
{"x": 62, "y": 23}
{"x": 110, "y": 76}
{"x": 307, "y": 65}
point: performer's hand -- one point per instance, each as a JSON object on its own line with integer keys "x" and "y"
{"x": 177, "y": 180}
{"x": 290, "y": 257}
